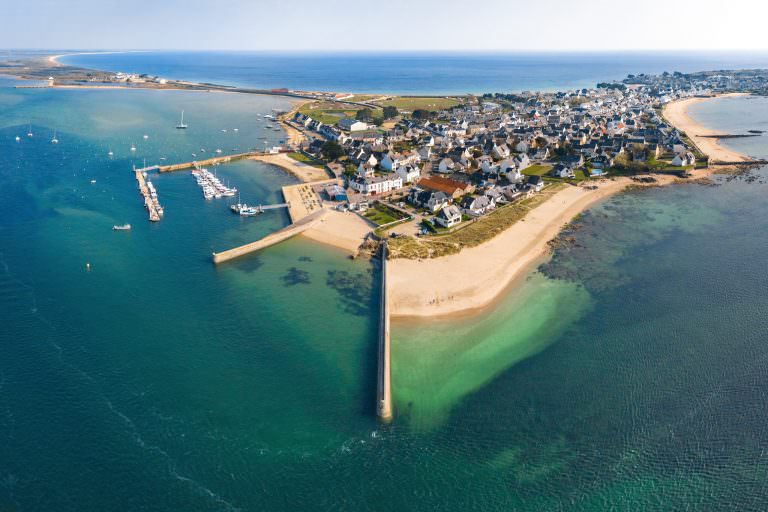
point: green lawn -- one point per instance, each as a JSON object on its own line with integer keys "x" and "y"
{"x": 328, "y": 116}
{"x": 381, "y": 214}
{"x": 426, "y": 103}
{"x": 300, "y": 157}
{"x": 537, "y": 170}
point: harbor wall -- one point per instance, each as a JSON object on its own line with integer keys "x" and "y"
{"x": 207, "y": 161}
{"x": 384, "y": 385}
{"x": 271, "y": 239}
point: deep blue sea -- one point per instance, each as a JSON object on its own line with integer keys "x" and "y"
{"x": 412, "y": 73}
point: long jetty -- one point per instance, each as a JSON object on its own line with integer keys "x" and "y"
{"x": 271, "y": 239}
{"x": 154, "y": 216}
{"x": 384, "y": 378}
{"x": 207, "y": 162}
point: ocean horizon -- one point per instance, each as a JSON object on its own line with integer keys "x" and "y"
{"x": 412, "y": 73}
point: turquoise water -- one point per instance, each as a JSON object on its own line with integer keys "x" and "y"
{"x": 626, "y": 374}
{"x": 415, "y": 72}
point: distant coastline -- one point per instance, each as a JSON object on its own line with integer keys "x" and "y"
{"x": 54, "y": 59}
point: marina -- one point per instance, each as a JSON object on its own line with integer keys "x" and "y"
{"x": 211, "y": 185}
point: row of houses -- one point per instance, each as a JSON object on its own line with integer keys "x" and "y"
{"x": 467, "y": 160}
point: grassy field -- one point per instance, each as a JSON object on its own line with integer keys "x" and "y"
{"x": 327, "y": 112}
{"x": 537, "y": 170}
{"x": 381, "y": 214}
{"x": 472, "y": 234}
{"x": 299, "y": 157}
{"x": 435, "y": 103}
{"x": 363, "y": 98}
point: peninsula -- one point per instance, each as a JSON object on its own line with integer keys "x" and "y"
{"x": 467, "y": 190}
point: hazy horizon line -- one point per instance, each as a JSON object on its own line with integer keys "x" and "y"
{"x": 400, "y": 50}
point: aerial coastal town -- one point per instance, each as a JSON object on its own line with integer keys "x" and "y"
{"x": 436, "y": 169}
{"x": 436, "y": 174}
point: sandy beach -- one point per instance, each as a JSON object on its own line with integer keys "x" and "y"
{"x": 476, "y": 277}
{"x": 304, "y": 172}
{"x": 676, "y": 114}
{"x": 345, "y": 230}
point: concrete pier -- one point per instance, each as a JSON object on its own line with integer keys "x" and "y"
{"x": 154, "y": 216}
{"x": 271, "y": 239}
{"x": 208, "y": 161}
{"x": 384, "y": 384}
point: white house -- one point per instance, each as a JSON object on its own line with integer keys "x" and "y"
{"x": 684, "y": 159}
{"x": 522, "y": 161}
{"x": 448, "y": 216}
{"x": 408, "y": 173}
{"x": 500, "y": 152}
{"x": 352, "y": 125}
{"x": 446, "y": 165}
{"x": 392, "y": 161}
{"x": 476, "y": 206}
{"x": 510, "y": 170}
{"x": 562, "y": 171}
{"x": 365, "y": 170}
{"x": 375, "y": 185}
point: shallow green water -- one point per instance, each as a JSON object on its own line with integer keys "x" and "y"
{"x": 627, "y": 374}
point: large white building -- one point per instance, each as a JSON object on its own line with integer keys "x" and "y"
{"x": 375, "y": 185}
{"x": 352, "y": 125}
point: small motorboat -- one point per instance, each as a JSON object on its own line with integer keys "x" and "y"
{"x": 122, "y": 227}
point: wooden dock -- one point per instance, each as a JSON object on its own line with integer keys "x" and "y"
{"x": 384, "y": 377}
{"x": 271, "y": 239}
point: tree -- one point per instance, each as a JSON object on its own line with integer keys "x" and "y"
{"x": 331, "y": 150}
{"x": 390, "y": 112}
{"x": 420, "y": 113}
{"x": 364, "y": 114}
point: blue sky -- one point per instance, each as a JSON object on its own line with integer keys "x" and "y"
{"x": 384, "y": 24}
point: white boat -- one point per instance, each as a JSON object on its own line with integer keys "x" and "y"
{"x": 133, "y": 147}
{"x": 110, "y": 153}
{"x": 29, "y": 133}
{"x": 122, "y": 227}
{"x": 267, "y": 116}
{"x": 218, "y": 151}
{"x": 93, "y": 182}
{"x": 235, "y": 129}
{"x": 181, "y": 125}
{"x": 18, "y": 138}
{"x": 244, "y": 210}
{"x": 146, "y": 137}
{"x": 54, "y": 140}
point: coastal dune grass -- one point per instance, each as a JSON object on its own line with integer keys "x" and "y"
{"x": 470, "y": 234}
